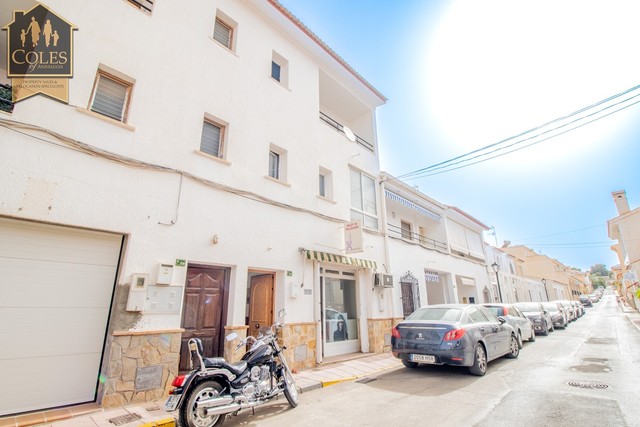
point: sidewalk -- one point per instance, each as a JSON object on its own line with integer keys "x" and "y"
{"x": 152, "y": 414}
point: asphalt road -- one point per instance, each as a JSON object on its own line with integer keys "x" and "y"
{"x": 586, "y": 375}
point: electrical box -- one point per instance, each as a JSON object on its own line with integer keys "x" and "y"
{"x": 137, "y": 292}
{"x": 295, "y": 290}
{"x": 383, "y": 280}
{"x": 163, "y": 299}
{"x": 165, "y": 274}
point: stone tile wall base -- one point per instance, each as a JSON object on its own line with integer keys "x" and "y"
{"x": 130, "y": 352}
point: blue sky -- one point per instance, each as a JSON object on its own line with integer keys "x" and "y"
{"x": 461, "y": 75}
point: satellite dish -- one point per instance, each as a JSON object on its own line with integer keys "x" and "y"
{"x": 349, "y": 134}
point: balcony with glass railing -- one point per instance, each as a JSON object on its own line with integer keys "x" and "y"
{"x": 416, "y": 238}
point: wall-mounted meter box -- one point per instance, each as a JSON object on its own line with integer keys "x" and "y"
{"x": 137, "y": 292}
{"x": 165, "y": 274}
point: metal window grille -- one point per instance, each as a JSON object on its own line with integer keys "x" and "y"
{"x": 211, "y": 142}
{"x": 110, "y": 97}
{"x": 144, "y": 5}
{"x": 222, "y": 33}
{"x": 274, "y": 165}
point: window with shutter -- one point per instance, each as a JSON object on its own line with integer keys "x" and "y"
{"x": 211, "y": 142}
{"x": 110, "y": 97}
{"x": 274, "y": 164}
{"x": 144, "y": 5}
{"x": 223, "y": 33}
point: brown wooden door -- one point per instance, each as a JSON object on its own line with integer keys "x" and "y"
{"x": 205, "y": 298}
{"x": 260, "y": 303}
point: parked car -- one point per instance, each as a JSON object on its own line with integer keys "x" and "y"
{"x": 453, "y": 334}
{"x": 585, "y": 301}
{"x": 518, "y": 321}
{"x": 557, "y": 313}
{"x": 594, "y": 297}
{"x": 578, "y": 307}
{"x": 539, "y": 317}
{"x": 568, "y": 309}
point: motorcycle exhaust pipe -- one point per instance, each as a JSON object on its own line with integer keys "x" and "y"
{"x": 213, "y": 402}
{"x": 219, "y": 410}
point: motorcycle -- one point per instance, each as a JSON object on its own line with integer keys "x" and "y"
{"x": 216, "y": 388}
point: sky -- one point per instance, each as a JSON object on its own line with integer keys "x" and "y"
{"x": 461, "y": 75}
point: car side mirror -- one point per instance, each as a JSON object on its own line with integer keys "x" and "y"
{"x": 502, "y": 319}
{"x": 546, "y": 312}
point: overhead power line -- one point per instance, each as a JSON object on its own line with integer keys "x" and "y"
{"x": 532, "y": 135}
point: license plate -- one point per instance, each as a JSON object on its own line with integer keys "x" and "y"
{"x": 172, "y": 402}
{"x": 423, "y": 358}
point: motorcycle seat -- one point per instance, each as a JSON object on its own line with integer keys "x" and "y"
{"x": 219, "y": 362}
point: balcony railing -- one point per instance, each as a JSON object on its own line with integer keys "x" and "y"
{"x": 6, "y": 102}
{"x": 340, "y": 128}
{"x": 425, "y": 242}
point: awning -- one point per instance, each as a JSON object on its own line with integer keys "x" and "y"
{"x": 339, "y": 259}
{"x": 408, "y": 203}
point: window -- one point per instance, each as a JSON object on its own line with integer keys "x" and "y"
{"x": 280, "y": 69}
{"x": 223, "y": 33}
{"x": 145, "y": 6}
{"x": 363, "y": 200}
{"x": 111, "y": 96}
{"x": 274, "y": 165}
{"x": 275, "y": 70}
{"x": 212, "y": 138}
{"x": 405, "y": 228}
{"x": 325, "y": 183}
{"x": 277, "y": 163}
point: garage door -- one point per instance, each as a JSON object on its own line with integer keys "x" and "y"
{"x": 56, "y": 286}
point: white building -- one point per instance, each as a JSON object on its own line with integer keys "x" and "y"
{"x": 435, "y": 251}
{"x": 199, "y": 180}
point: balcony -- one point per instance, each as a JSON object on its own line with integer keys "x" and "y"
{"x": 415, "y": 238}
{"x": 6, "y": 102}
{"x": 340, "y": 128}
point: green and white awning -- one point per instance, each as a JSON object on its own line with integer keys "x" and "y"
{"x": 339, "y": 259}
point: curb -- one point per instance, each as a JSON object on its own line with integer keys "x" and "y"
{"x": 165, "y": 422}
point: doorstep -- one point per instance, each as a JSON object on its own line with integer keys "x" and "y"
{"x": 49, "y": 416}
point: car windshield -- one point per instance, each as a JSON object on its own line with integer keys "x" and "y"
{"x": 529, "y": 307}
{"x": 436, "y": 313}
{"x": 498, "y": 311}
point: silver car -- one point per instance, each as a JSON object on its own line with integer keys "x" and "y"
{"x": 539, "y": 317}
{"x": 518, "y": 321}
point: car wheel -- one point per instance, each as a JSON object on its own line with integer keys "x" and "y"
{"x": 479, "y": 367}
{"x": 545, "y": 330}
{"x": 408, "y": 364}
{"x": 519, "y": 339}
{"x": 514, "y": 348}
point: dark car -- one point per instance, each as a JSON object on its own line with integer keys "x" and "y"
{"x": 585, "y": 300}
{"x": 557, "y": 313}
{"x": 518, "y": 321}
{"x": 453, "y": 334}
{"x": 540, "y": 318}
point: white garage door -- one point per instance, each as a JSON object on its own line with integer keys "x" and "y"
{"x": 56, "y": 285}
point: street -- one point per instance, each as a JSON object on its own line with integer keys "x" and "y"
{"x": 586, "y": 375}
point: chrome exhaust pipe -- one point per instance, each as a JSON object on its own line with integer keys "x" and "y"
{"x": 213, "y": 402}
{"x": 236, "y": 406}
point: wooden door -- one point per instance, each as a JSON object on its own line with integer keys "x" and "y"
{"x": 260, "y": 303}
{"x": 204, "y": 311}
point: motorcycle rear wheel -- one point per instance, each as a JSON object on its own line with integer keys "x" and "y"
{"x": 189, "y": 416}
{"x": 290, "y": 390}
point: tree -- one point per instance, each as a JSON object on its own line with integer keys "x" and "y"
{"x": 600, "y": 270}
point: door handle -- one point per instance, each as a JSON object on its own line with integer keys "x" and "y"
{"x": 257, "y": 326}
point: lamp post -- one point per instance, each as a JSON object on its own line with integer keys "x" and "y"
{"x": 544, "y": 283}
{"x": 496, "y": 267}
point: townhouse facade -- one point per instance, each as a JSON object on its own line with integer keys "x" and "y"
{"x": 215, "y": 164}
{"x": 511, "y": 273}
{"x": 624, "y": 230}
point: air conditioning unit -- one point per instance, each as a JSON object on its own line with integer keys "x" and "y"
{"x": 383, "y": 280}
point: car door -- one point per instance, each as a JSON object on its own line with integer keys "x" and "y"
{"x": 502, "y": 334}
{"x": 523, "y": 322}
{"x": 486, "y": 329}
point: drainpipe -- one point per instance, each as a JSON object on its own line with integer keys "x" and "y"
{"x": 385, "y": 234}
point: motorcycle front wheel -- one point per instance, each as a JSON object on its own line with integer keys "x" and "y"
{"x": 190, "y": 416}
{"x": 290, "y": 390}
